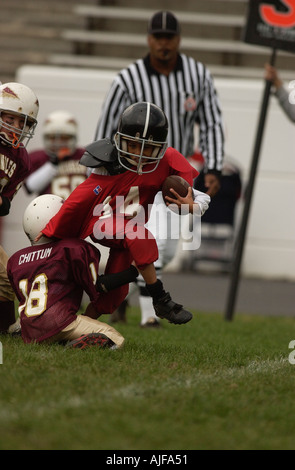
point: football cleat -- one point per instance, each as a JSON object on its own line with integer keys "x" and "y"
{"x": 169, "y": 310}
{"x": 93, "y": 339}
{"x": 15, "y": 328}
{"x": 151, "y": 323}
{"x": 119, "y": 315}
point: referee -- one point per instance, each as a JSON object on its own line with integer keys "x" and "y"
{"x": 184, "y": 89}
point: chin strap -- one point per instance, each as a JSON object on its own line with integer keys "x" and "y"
{"x": 15, "y": 139}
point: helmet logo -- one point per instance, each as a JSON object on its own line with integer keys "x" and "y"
{"x": 9, "y": 93}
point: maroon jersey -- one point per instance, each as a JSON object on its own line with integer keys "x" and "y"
{"x": 14, "y": 168}
{"x": 69, "y": 172}
{"x": 49, "y": 281}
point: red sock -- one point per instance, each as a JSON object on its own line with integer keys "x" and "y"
{"x": 7, "y": 315}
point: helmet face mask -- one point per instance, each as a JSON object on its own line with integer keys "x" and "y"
{"x": 60, "y": 145}
{"x": 141, "y": 137}
{"x": 60, "y": 134}
{"x": 12, "y": 135}
{"x": 19, "y": 108}
{"x": 141, "y": 162}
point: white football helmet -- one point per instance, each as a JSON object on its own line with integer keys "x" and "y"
{"x": 20, "y": 100}
{"x": 60, "y": 132}
{"x": 37, "y": 215}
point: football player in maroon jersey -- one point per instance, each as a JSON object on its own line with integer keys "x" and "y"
{"x": 56, "y": 169}
{"x": 112, "y": 205}
{"x": 49, "y": 278}
{"x": 18, "y": 118}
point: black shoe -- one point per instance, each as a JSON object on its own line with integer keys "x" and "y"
{"x": 119, "y": 315}
{"x": 174, "y": 313}
{"x": 93, "y": 339}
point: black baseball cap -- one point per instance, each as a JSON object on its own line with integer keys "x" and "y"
{"x": 163, "y": 22}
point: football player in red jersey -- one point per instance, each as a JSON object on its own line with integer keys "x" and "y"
{"x": 117, "y": 197}
{"x": 56, "y": 169}
{"x": 18, "y": 118}
{"x": 49, "y": 278}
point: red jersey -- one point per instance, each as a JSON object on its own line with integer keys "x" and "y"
{"x": 14, "y": 168}
{"x": 122, "y": 195}
{"x": 49, "y": 281}
{"x": 69, "y": 172}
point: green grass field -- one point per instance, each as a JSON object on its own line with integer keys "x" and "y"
{"x": 209, "y": 384}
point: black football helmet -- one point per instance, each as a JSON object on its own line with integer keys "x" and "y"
{"x": 146, "y": 124}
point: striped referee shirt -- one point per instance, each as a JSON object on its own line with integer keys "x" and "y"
{"x": 187, "y": 96}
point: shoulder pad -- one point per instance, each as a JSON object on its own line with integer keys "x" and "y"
{"x": 99, "y": 153}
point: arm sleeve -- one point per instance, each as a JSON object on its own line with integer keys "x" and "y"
{"x": 202, "y": 199}
{"x": 288, "y": 108}
{"x": 72, "y": 220}
{"x": 41, "y": 178}
{"x": 211, "y": 129}
{"x": 84, "y": 259}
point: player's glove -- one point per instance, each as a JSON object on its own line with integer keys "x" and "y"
{"x": 108, "y": 282}
{"x": 53, "y": 158}
{"x": 56, "y": 157}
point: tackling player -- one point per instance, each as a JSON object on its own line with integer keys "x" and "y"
{"x": 18, "y": 118}
{"x": 49, "y": 278}
{"x": 118, "y": 195}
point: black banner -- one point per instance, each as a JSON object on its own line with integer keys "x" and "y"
{"x": 271, "y": 23}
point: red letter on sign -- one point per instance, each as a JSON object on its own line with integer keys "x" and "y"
{"x": 275, "y": 18}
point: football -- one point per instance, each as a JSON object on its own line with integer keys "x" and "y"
{"x": 177, "y": 183}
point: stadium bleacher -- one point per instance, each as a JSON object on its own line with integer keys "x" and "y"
{"x": 109, "y": 34}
